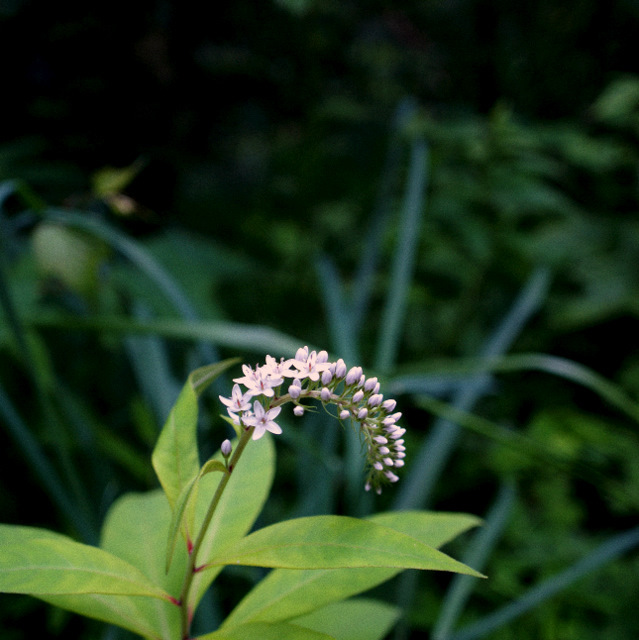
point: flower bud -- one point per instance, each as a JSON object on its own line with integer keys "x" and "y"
{"x": 389, "y": 405}
{"x": 327, "y": 376}
{"x": 344, "y": 414}
{"x": 325, "y": 394}
{"x": 370, "y": 384}
{"x": 399, "y": 463}
{"x": 391, "y": 476}
{"x": 378, "y": 465}
{"x": 384, "y": 450}
{"x": 322, "y": 357}
{"x": 302, "y": 354}
{"x": 362, "y": 413}
{"x": 298, "y": 410}
{"x": 380, "y": 440}
{"x": 357, "y": 396}
{"x": 353, "y": 375}
{"x": 295, "y": 389}
{"x": 340, "y": 368}
{"x": 388, "y": 462}
{"x": 375, "y": 400}
{"x": 226, "y": 448}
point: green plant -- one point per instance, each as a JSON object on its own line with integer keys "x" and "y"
{"x": 160, "y": 551}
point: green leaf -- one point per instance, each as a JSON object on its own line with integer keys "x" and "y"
{"x": 135, "y": 530}
{"x": 35, "y": 561}
{"x": 183, "y": 512}
{"x": 266, "y": 631}
{"x": 358, "y": 619}
{"x": 286, "y": 593}
{"x": 239, "y": 506}
{"x": 333, "y": 542}
{"x": 175, "y": 457}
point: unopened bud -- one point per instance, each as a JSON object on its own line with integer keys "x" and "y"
{"x": 375, "y": 400}
{"x": 298, "y": 410}
{"x": 353, "y": 375}
{"x": 344, "y": 414}
{"x": 226, "y": 448}
{"x": 340, "y": 368}
{"x": 327, "y": 376}
{"x": 295, "y": 389}
{"x": 357, "y": 396}
{"x": 389, "y": 405}
{"x": 370, "y": 384}
{"x": 325, "y": 394}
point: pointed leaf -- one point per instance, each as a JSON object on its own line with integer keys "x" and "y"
{"x": 358, "y": 619}
{"x": 239, "y": 507}
{"x": 135, "y": 530}
{"x": 175, "y": 457}
{"x": 332, "y": 542}
{"x": 286, "y": 593}
{"x": 266, "y": 631}
{"x": 183, "y": 512}
{"x": 34, "y": 561}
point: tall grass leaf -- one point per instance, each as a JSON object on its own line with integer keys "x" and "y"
{"x": 610, "y": 550}
{"x": 339, "y": 324}
{"x": 478, "y": 552}
{"x": 42, "y": 467}
{"x": 404, "y": 259}
{"x": 139, "y": 257}
{"x": 416, "y": 488}
{"x": 364, "y": 277}
{"x": 242, "y": 337}
{"x": 150, "y": 364}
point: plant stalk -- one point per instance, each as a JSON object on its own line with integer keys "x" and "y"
{"x": 192, "y": 567}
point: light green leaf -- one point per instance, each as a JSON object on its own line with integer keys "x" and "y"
{"x": 333, "y": 542}
{"x": 241, "y": 503}
{"x": 34, "y": 561}
{"x": 175, "y": 457}
{"x": 266, "y": 631}
{"x": 135, "y": 530}
{"x": 358, "y": 619}
{"x": 287, "y": 593}
{"x": 184, "y": 510}
{"x": 431, "y": 528}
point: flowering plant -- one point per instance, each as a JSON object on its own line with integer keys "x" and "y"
{"x": 160, "y": 551}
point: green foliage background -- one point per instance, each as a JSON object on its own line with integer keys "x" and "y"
{"x": 178, "y": 186}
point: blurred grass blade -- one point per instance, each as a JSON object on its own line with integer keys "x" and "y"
{"x": 575, "y": 372}
{"x": 531, "y": 448}
{"x": 141, "y": 258}
{"x": 610, "y": 550}
{"x": 339, "y": 323}
{"x": 405, "y": 254}
{"x": 42, "y": 468}
{"x": 451, "y": 373}
{"x": 479, "y": 550}
{"x": 254, "y": 338}
{"x": 80, "y": 513}
{"x": 415, "y": 490}
{"x": 150, "y": 363}
{"x": 363, "y": 286}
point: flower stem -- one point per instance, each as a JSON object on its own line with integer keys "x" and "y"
{"x": 192, "y": 567}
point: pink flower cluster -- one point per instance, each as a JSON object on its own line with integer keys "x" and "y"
{"x": 312, "y": 376}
